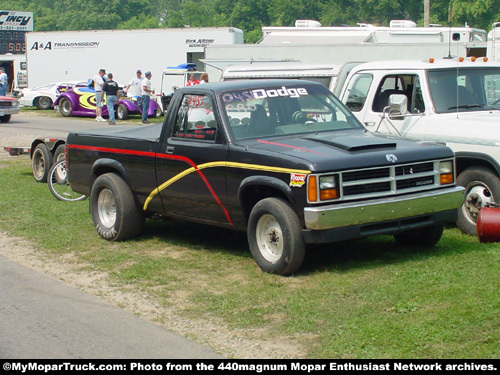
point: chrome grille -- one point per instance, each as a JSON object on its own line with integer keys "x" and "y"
{"x": 390, "y": 180}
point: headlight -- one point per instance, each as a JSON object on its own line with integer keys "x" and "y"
{"x": 323, "y": 187}
{"x": 446, "y": 172}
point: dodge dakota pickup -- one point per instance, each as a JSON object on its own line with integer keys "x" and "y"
{"x": 283, "y": 160}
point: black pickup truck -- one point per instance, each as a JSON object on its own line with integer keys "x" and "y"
{"x": 283, "y": 160}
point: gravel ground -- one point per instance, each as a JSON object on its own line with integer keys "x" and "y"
{"x": 242, "y": 344}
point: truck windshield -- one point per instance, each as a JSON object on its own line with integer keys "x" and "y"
{"x": 467, "y": 89}
{"x": 285, "y": 110}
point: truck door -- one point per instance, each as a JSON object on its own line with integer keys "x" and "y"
{"x": 368, "y": 95}
{"x": 190, "y": 171}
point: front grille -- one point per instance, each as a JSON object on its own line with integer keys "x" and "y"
{"x": 5, "y": 104}
{"x": 390, "y": 180}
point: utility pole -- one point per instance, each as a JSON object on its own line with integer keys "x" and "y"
{"x": 427, "y": 12}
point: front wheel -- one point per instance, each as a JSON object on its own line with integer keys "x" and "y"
{"x": 122, "y": 112}
{"x": 481, "y": 187}
{"x": 275, "y": 237}
{"x": 115, "y": 213}
{"x": 65, "y": 107}
{"x": 5, "y": 118}
{"x": 43, "y": 102}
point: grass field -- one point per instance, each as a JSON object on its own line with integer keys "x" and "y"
{"x": 361, "y": 299}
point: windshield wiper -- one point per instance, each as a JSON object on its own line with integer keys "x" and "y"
{"x": 467, "y": 106}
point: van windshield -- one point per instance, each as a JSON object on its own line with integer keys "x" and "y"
{"x": 465, "y": 89}
{"x": 285, "y": 110}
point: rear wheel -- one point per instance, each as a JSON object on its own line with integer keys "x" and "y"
{"x": 41, "y": 161}
{"x": 43, "y": 102}
{"x": 481, "y": 187}
{"x": 115, "y": 213}
{"x": 275, "y": 237}
{"x": 427, "y": 237}
{"x": 65, "y": 107}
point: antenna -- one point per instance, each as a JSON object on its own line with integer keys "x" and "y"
{"x": 450, "y": 17}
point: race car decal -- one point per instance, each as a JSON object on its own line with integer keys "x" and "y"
{"x": 193, "y": 168}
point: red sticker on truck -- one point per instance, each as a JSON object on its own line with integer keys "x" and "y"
{"x": 297, "y": 180}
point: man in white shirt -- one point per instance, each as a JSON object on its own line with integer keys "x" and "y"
{"x": 135, "y": 84}
{"x": 4, "y": 82}
{"x": 146, "y": 96}
{"x": 98, "y": 83}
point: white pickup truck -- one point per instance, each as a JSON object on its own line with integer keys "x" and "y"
{"x": 447, "y": 100}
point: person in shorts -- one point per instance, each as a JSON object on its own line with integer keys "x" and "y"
{"x": 98, "y": 83}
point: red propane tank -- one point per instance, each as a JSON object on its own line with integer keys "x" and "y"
{"x": 488, "y": 223}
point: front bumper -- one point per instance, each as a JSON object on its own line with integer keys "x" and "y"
{"x": 8, "y": 111}
{"x": 383, "y": 210}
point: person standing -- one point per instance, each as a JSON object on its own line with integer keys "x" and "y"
{"x": 110, "y": 88}
{"x": 4, "y": 82}
{"x": 146, "y": 96}
{"x": 135, "y": 84}
{"x": 192, "y": 80}
{"x": 98, "y": 83}
{"x": 204, "y": 78}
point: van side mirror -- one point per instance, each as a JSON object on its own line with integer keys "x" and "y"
{"x": 398, "y": 105}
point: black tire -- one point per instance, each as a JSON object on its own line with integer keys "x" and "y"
{"x": 121, "y": 112}
{"x": 41, "y": 162}
{"x": 65, "y": 107}
{"x": 58, "y": 183}
{"x": 5, "y": 118}
{"x": 114, "y": 211}
{"x": 59, "y": 154}
{"x": 43, "y": 102}
{"x": 482, "y": 186}
{"x": 275, "y": 237}
{"x": 426, "y": 237}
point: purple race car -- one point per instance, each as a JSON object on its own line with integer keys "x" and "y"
{"x": 80, "y": 101}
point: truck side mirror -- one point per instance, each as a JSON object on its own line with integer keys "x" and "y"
{"x": 398, "y": 105}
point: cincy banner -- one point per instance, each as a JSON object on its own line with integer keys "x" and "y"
{"x": 16, "y": 21}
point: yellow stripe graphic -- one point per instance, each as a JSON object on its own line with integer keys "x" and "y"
{"x": 215, "y": 164}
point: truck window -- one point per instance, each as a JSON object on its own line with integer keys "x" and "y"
{"x": 357, "y": 91}
{"x": 285, "y": 110}
{"x": 195, "y": 119}
{"x": 402, "y": 84}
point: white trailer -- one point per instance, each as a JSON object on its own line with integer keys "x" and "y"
{"x": 78, "y": 55}
{"x": 309, "y": 43}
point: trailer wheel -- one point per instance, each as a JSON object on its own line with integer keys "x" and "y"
{"x": 122, "y": 112}
{"x": 481, "y": 187}
{"x": 43, "y": 102}
{"x": 427, "y": 237}
{"x": 59, "y": 154}
{"x": 275, "y": 237}
{"x": 41, "y": 162}
{"x": 65, "y": 107}
{"x": 5, "y": 118}
{"x": 115, "y": 214}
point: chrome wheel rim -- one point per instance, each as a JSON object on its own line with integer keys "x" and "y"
{"x": 106, "y": 208}
{"x": 269, "y": 238}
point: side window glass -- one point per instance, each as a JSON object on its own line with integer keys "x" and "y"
{"x": 195, "y": 119}
{"x": 357, "y": 91}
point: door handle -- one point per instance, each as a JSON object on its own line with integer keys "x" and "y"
{"x": 170, "y": 149}
{"x": 369, "y": 123}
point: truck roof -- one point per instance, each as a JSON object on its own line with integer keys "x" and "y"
{"x": 425, "y": 64}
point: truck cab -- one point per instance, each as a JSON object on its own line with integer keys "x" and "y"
{"x": 449, "y": 101}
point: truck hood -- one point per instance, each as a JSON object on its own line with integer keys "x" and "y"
{"x": 477, "y": 127}
{"x": 350, "y": 149}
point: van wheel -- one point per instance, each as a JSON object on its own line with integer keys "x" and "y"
{"x": 427, "y": 237}
{"x": 41, "y": 161}
{"x": 481, "y": 187}
{"x": 115, "y": 214}
{"x": 275, "y": 237}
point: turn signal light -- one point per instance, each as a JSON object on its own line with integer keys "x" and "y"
{"x": 312, "y": 189}
{"x": 328, "y": 194}
{"x": 446, "y": 178}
